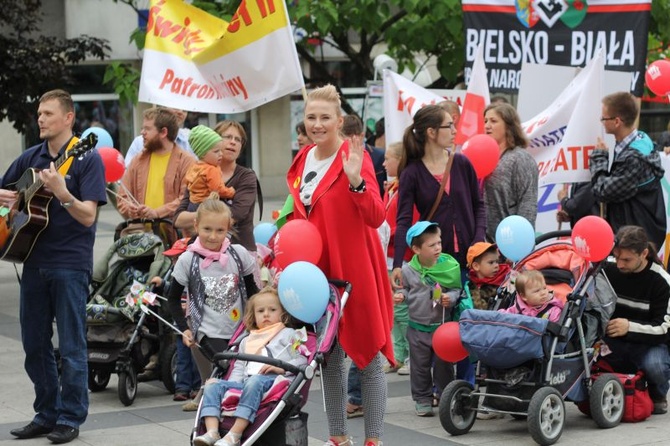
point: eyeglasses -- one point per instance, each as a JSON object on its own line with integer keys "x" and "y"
{"x": 237, "y": 139}
{"x": 448, "y": 126}
{"x": 603, "y": 119}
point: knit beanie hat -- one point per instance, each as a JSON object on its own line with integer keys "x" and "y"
{"x": 201, "y": 139}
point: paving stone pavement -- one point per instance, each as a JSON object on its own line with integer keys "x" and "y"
{"x": 154, "y": 419}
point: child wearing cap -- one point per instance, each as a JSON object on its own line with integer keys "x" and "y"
{"x": 533, "y": 298}
{"x": 485, "y": 276}
{"x": 486, "y": 273}
{"x": 205, "y": 177}
{"x": 431, "y": 287}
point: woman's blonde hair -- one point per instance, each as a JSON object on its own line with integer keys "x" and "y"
{"x": 214, "y": 205}
{"x": 250, "y": 317}
{"x": 395, "y": 149}
{"x": 326, "y": 93}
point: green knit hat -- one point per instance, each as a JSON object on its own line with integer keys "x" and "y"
{"x": 202, "y": 139}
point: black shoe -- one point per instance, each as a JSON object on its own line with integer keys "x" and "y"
{"x": 63, "y": 434}
{"x": 30, "y": 430}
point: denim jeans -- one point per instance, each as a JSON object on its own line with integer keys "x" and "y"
{"x": 252, "y": 389}
{"x": 354, "y": 386}
{"x": 188, "y": 377}
{"x": 61, "y": 294}
{"x": 654, "y": 360}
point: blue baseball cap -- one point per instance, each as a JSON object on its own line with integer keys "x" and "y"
{"x": 417, "y": 229}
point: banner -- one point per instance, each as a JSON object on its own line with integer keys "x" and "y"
{"x": 556, "y": 32}
{"x": 562, "y": 136}
{"x": 402, "y": 98}
{"x": 197, "y": 62}
{"x": 476, "y": 100}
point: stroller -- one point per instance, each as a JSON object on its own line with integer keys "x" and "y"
{"x": 279, "y": 420}
{"x": 120, "y": 337}
{"x": 528, "y": 366}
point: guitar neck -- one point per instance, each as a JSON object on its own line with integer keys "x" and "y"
{"x": 37, "y": 185}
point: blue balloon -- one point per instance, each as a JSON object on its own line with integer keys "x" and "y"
{"x": 263, "y": 232}
{"x": 515, "y": 237}
{"x": 304, "y": 291}
{"x": 104, "y": 138}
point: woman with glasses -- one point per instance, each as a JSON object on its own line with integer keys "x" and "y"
{"x": 511, "y": 189}
{"x": 423, "y": 166}
{"x": 242, "y": 179}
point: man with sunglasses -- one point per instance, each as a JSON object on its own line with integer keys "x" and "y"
{"x": 631, "y": 189}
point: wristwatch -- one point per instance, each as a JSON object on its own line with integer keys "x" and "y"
{"x": 360, "y": 189}
{"x": 67, "y": 204}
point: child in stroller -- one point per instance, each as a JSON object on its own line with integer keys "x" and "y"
{"x": 120, "y": 338}
{"x": 265, "y": 319}
{"x": 279, "y": 419}
{"x": 529, "y": 364}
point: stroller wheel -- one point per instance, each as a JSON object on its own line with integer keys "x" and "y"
{"x": 128, "y": 386}
{"x": 606, "y": 399}
{"x": 98, "y": 379}
{"x": 168, "y": 366}
{"x": 546, "y": 416}
{"x": 456, "y": 413}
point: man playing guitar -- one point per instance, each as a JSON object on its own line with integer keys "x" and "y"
{"x": 56, "y": 272}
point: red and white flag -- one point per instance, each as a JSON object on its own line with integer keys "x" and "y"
{"x": 476, "y": 100}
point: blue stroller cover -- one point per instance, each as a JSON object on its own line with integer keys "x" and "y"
{"x": 502, "y": 340}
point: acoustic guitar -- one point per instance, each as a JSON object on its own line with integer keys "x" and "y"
{"x": 28, "y": 216}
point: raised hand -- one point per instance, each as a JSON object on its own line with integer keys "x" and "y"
{"x": 353, "y": 162}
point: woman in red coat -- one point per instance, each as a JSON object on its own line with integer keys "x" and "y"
{"x": 332, "y": 184}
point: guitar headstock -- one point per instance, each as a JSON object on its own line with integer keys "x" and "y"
{"x": 84, "y": 145}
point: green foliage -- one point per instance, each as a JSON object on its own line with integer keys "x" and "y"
{"x": 125, "y": 79}
{"x": 659, "y": 32}
{"x": 31, "y": 64}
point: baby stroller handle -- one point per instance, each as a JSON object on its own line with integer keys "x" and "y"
{"x": 341, "y": 284}
{"x": 260, "y": 358}
{"x": 552, "y": 234}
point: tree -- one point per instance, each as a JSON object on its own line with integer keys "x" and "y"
{"x": 31, "y": 64}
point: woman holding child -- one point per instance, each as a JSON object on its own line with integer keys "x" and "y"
{"x": 333, "y": 185}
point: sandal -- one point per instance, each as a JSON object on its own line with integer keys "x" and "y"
{"x": 354, "y": 411}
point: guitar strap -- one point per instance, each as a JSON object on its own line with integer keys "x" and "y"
{"x": 68, "y": 162}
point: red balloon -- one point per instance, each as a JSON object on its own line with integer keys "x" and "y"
{"x": 113, "y": 162}
{"x": 592, "y": 238}
{"x": 657, "y": 77}
{"x": 483, "y": 152}
{"x": 298, "y": 240}
{"x": 447, "y": 343}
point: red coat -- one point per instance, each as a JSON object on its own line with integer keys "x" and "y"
{"x": 348, "y": 223}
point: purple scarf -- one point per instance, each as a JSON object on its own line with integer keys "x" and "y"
{"x": 208, "y": 255}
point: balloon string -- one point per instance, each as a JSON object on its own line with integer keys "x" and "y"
{"x": 134, "y": 200}
{"x": 126, "y": 199}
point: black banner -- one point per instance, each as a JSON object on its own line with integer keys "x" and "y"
{"x": 555, "y": 32}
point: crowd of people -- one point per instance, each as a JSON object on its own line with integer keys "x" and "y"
{"x": 410, "y": 226}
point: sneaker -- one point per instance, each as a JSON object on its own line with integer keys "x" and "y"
{"x": 333, "y": 442}
{"x": 354, "y": 411}
{"x": 206, "y": 439}
{"x": 63, "y": 434}
{"x": 423, "y": 410}
{"x": 228, "y": 440}
{"x": 388, "y": 368}
{"x": 404, "y": 370}
{"x": 189, "y": 406}
{"x": 660, "y": 407}
{"x": 180, "y": 396}
{"x": 485, "y": 415}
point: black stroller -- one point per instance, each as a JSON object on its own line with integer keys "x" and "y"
{"x": 121, "y": 338}
{"x": 528, "y": 366}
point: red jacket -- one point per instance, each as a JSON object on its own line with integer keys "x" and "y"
{"x": 348, "y": 223}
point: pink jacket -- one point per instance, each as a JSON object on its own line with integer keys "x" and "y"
{"x": 551, "y": 310}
